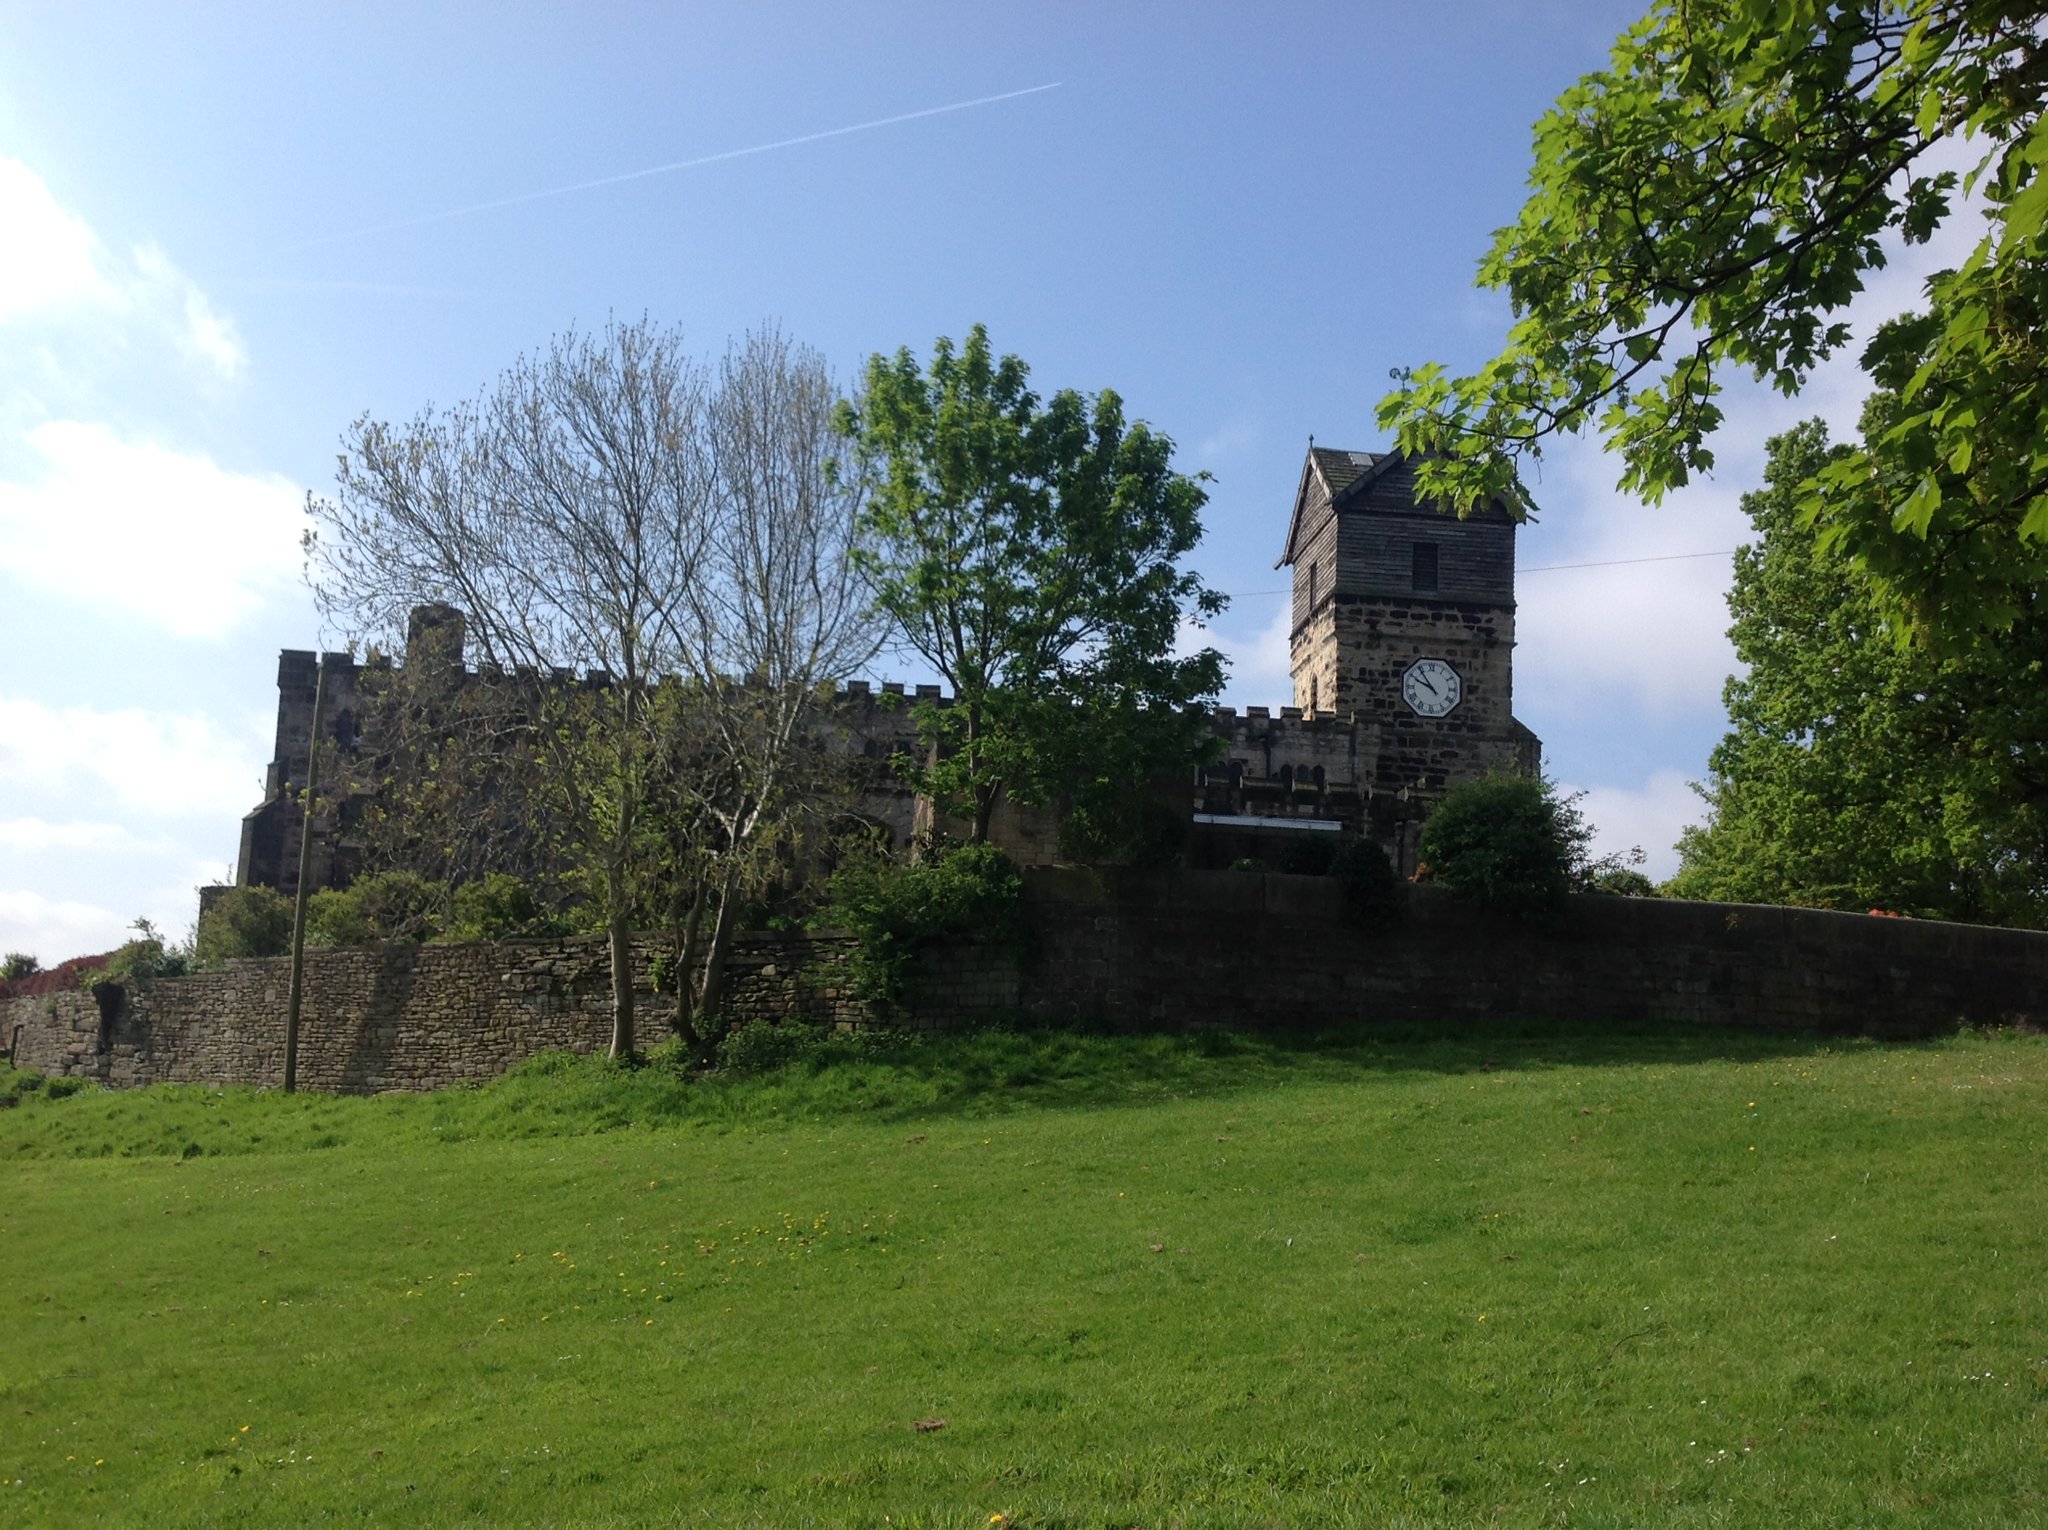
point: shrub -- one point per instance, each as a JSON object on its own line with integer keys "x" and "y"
{"x": 1509, "y": 842}
{"x": 18, "y": 964}
{"x": 893, "y": 910}
{"x": 1248, "y": 863}
{"x": 142, "y": 960}
{"x": 758, "y": 1047}
{"x": 1623, "y": 881}
{"x": 1372, "y": 887}
{"x": 497, "y": 907}
{"x": 392, "y": 905}
{"x": 244, "y": 921}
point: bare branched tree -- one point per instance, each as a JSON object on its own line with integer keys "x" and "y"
{"x": 564, "y": 515}
{"x": 780, "y": 612}
{"x": 616, "y": 504}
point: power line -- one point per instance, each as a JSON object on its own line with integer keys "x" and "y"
{"x": 1547, "y": 568}
{"x": 1552, "y": 568}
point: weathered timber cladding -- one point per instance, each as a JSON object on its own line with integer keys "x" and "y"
{"x": 1475, "y": 558}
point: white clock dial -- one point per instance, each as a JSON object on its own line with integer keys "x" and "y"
{"x": 1431, "y": 687}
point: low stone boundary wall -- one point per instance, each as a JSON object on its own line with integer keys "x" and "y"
{"x": 1265, "y": 950}
{"x": 1135, "y": 951}
{"x": 391, "y": 1016}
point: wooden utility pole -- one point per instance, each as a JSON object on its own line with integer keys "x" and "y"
{"x": 291, "y": 1013}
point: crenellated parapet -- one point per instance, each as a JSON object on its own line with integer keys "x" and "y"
{"x": 875, "y": 721}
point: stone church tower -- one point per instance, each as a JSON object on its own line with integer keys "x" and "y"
{"x": 1404, "y": 621}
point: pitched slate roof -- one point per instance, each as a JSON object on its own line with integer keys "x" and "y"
{"x": 1340, "y": 468}
{"x": 1340, "y": 473}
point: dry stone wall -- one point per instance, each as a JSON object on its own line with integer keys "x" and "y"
{"x": 1135, "y": 951}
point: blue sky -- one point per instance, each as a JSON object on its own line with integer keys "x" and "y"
{"x": 228, "y": 230}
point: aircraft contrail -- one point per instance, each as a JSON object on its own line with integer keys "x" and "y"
{"x": 681, "y": 164}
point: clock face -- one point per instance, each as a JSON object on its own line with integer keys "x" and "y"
{"x": 1431, "y": 687}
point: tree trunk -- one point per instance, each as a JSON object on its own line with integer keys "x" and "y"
{"x": 619, "y": 928}
{"x": 684, "y": 946}
{"x": 984, "y": 810}
{"x": 712, "y": 996}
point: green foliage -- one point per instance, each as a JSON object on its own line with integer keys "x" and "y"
{"x": 1028, "y": 550}
{"x": 1856, "y": 772}
{"x": 893, "y": 910}
{"x": 1136, "y": 828}
{"x": 1373, "y": 891}
{"x": 498, "y": 907}
{"x": 141, "y": 960}
{"x": 1712, "y": 200}
{"x": 758, "y": 1047}
{"x": 17, "y": 1085}
{"x": 18, "y": 964}
{"x": 1622, "y": 882}
{"x": 244, "y": 921}
{"x": 391, "y": 905}
{"x": 1509, "y": 842}
{"x": 1251, "y": 865}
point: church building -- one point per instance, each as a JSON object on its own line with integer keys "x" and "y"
{"x": 1402, "y": 651}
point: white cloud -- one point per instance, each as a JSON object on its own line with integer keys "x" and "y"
{"x": 1649, "y": 816}
{"x": 199, "y": 330}
{"x": 1261, "y": 673}
{"x": 158, "y": 763}
{"x": 19, "y": 836}
{"x": 48, "y": 258}
{"x": 169, "y": 535}
{"x": 56, "y": 272}
{"x": 1614, "y": 617}
{"x": 54, "y": 930}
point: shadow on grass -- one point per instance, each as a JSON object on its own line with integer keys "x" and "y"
{"x": 879, "y": 1077}
{"x": 999, "y": 1071}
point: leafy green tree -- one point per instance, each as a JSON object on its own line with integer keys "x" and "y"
{"x": 1858, "y": 772}
{"x": 244, "y": 921}
{"x": 18, "y": 964}
{"x": 1712, "y": 200}
{"x": 1028, "y": 551}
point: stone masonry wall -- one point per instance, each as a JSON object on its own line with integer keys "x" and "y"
{"x": 1139, "y": 952}
{"x": 1239, "y": 949}
{"x": 392, "y": 1016}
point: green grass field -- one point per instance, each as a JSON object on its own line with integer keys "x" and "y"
{"x": 1520, "y": 1278}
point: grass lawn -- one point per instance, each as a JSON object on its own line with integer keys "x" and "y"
{"x": 1523, "y": 1278}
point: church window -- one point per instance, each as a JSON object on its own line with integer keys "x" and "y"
{"x": 1424, "y": 571}
{"x": 1312, "y": 569}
